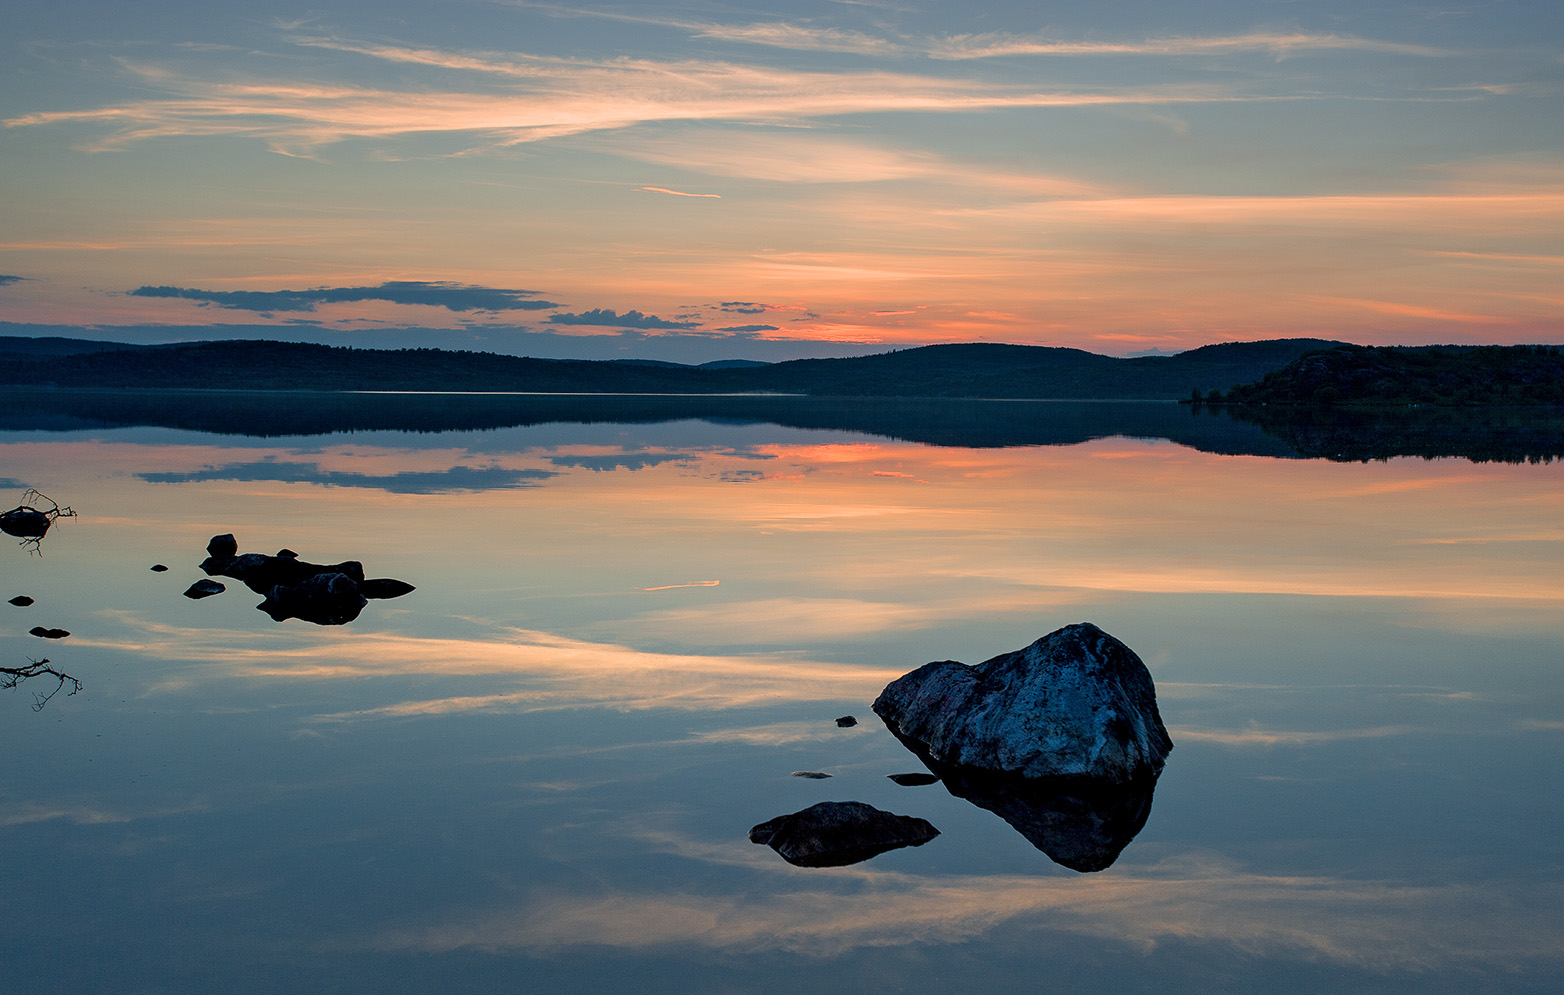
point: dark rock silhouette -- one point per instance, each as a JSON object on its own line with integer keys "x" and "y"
{"x": 324, "y": 598}
{"x": 260, "y": 573}
{"x": 21, "y": 601}
{"x": 24, "y": 523}
{"x": 811, "y": 774}
{"x": 30, "y": 521}
{"x": 1075, "y": 703}
{"x": 43, "y": 633}
{"x": 325, "y": 594}
{"x": 834, "y": 834}
{"x": 846, "y": 722}
{"x": 913, "y": 780}
{"x": 204, "y": 588}
{"x": 159, "y": 568}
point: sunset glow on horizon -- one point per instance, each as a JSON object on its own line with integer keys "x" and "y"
{"x": 822, "y": 177}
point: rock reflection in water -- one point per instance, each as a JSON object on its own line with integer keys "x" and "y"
{"x": 1082, "y": 823}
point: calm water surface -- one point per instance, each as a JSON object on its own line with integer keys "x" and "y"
{"x": 538, "y": 770}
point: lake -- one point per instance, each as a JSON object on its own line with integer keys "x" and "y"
{"x": 635, "y": 619}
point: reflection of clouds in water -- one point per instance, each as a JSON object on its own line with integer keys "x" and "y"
{"x": 782, "y": 620}
{"x": 556, "y": 671}
{"x": 29, "y": 813}
{"x": 626, "y": 461}
{"x": 1255, "y": 736}
{"x": 457, "y": 478}
{"x": 1375, "y": 925}
{"x": 779, "y": 733}
{"x": 787, "y": 621}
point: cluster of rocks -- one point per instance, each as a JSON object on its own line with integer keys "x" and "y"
{"x": 325, "y": 594}
{"x": 1061, "y": 739}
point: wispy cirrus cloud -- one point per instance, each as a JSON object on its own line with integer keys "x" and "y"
{"x": 1278, "y": 43}
{"x": 546, "y": 97}
{"x": 784, "y": 34}
{"x": 680, "y": 193}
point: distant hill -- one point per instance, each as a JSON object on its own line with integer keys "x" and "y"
{"x": 1406, "y": 375}
{"x": 13, "y": 348}
{"x": 970, "y": 370}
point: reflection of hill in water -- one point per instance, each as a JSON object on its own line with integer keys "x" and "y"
{"x": 1479, "y": 434}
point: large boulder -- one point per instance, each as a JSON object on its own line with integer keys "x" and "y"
{"x": 834, "y": 834}
{"x": 1076, "y": 703}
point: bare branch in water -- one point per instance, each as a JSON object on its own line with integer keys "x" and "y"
{"x": 10, "y": 677}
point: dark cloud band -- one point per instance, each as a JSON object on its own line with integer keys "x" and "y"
{"x": 451, "y": 296}
{"x": 607, "y": 318}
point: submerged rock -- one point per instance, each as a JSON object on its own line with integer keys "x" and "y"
{"x": 21, "y": 601}
{"x": 204, "y": 588}
{"x": 43, "y": 633}
{"x": 1075, "y": 703}
{"x": 834, "y": 834}
{"x": 325, "y": 599}
{"x": 813, "y": 775}
{"x": 846, "y": 722}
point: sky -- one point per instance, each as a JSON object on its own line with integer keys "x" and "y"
{"x": 699, "y": 181}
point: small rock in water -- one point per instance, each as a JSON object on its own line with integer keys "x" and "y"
{"x": 21, "y": 601}
{"x": 913, "y": 780}
{"x": 25, "y": 523}
{"x": 814, "y": 774}
{"x": 159, "y": 568}
{"x": 224, "y": 546}
{"x": 846, "y": 722}
{"x": 834, "y": 834}
{"x": 204, "y": 588}
{"x": 43, "y": 633}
